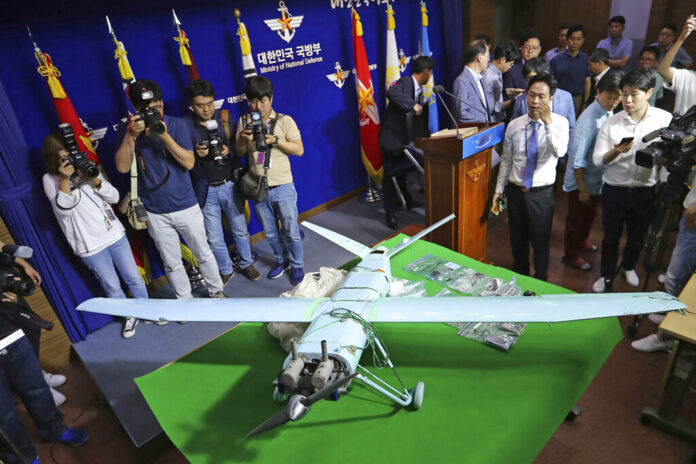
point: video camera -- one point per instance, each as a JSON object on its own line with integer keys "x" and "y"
{"x": 150, "y": 116}
{"x": 677, "y": 147}
{"x": 258, "y": 129}
{"x": 213, "y": 143}
{"x": 75, "y": 157}
{"x": 11, "y": 281}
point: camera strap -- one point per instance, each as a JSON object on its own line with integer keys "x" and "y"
{"x": 267, "y": 155}
{"x": 144, "y": 168}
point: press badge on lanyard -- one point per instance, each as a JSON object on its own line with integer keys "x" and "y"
{"x": 106, "y": 211}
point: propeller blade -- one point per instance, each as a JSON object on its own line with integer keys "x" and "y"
{"x": 274, "y": 421}
{"x": 327, "y": 390}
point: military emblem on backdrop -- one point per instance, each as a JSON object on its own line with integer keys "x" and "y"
{"x": 286, "y": 25}
{"x": 339, "y": 77}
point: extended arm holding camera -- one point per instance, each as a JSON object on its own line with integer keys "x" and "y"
{"x": 29, "y": 270}
{"x": 665, "y": 68}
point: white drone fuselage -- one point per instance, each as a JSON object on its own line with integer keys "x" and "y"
{"x": 346, "y": 338}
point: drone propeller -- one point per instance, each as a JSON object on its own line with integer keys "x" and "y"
{"x": 299, "y": 406}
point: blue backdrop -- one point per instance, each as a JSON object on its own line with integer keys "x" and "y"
{"x": 75, "y": 35}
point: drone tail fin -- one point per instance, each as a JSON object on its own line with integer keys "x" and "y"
{"x": 419, "y": 235}
{"x": 351, "y": 245}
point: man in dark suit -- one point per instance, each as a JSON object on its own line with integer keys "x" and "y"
{"x": 405, "y": 118}
{"x": 468, "y": 86}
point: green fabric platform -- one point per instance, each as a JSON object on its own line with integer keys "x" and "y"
{"x": 481, "y": 405}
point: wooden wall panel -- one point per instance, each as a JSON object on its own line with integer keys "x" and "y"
{"x": 478, "y": 17}
{"x": 546, "y": 15}
{"x": 55, "y": 344}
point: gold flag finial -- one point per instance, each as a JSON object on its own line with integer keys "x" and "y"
{"x": 424, "y": 14}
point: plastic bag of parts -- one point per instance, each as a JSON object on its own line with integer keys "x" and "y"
{"x": 510, "y": 288}
{"x": 469, "y": 282}
{"x": 404, "y": 288}
{"x": 500, "y": 335}
{"x": 433, "y": 268}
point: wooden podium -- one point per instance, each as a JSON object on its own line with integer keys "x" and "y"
{"x": 457, "y": 176}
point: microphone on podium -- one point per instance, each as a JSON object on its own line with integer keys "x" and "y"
{"x": 439, "y": 89}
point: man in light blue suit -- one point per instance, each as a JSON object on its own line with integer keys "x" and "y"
{"x": 468, "y": 87}
{"x": 562, "y": 101}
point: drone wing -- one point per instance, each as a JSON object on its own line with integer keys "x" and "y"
{"x": 543, "y": 308}
{"x": 209, "y": 309}
{"x": 354, "y": 247}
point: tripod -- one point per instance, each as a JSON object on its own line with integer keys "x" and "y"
{"x": 667, "y": 213}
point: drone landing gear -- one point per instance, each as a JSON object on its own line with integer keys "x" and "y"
{"x": 405, "y": 397}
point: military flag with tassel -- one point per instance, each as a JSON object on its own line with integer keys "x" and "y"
{"x": 185, "y": 51}
{"x": 64, "y": 107}
{"x": 393, "y": 73}
{"x": 367, "y": 107}
{"x": 245, "y": 44}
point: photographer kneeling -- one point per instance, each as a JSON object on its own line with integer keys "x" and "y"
{"x": 81, "y": 201}
{"x": 21, "y": 373}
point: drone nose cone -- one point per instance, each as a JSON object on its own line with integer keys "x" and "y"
{"x": 296, "y": 408}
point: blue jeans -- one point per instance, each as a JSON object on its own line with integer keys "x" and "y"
{"x": 286, "y": 243}
{"x": 20, "y": 372}
{"x": 119, "y": 255}
{"x": 223, "y": 198}
{"x": 683, "y": 262}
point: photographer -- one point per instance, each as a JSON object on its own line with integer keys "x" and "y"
{"x": 213, "y": 182}
{"x": 21, "y": 373}
{"x": 164, "y": 156}
{"x": 82, "y": 206}
{"x": 628, "y": 190}
{"x": 681, "y": 81}
{"x": 681, "y": 267}
{"x": 282, "y": 137}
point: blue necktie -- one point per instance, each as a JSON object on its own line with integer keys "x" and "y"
{"x": 532, "y": 151}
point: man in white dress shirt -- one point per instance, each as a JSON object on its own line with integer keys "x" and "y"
{"x": 533, "y": 143}
{"x": 628, "y": 190}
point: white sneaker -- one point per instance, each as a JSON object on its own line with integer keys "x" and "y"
{"x": 599, "y": 286}
{"x": 58, "y": 397}
{"x": 129, "y": 326}
{"x": 657, "y": 318}
{"x": 631, "y": 277}
{"x": 652, "y": 343}
{"x": 54, "y": 380}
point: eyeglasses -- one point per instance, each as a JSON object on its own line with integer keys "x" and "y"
{"x": 532, "y": 48}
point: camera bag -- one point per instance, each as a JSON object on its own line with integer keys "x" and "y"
{"x": 253, "y": 186}
{"x": 131, "y": 205}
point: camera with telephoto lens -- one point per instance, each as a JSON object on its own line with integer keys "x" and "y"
{"x": 11, "y": 280}
{"x": 213, "y": 143}
{"x": 258, "y": 129}
{"x": 677, "y": 146}
{"x": 150, "y": 116}
{"x": 75, "y": 157}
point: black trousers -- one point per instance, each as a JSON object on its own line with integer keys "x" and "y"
{"x": 632, "y": 207}
{"x": 530, "y": 216}
{"x": 398, "y": 166}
